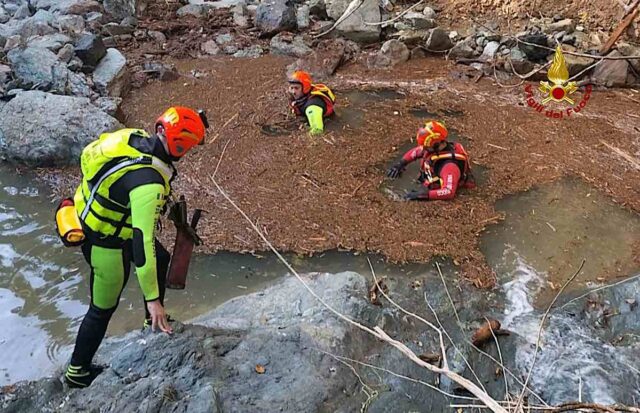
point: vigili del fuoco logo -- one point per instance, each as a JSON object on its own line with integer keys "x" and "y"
{"x": 559, "y": 91}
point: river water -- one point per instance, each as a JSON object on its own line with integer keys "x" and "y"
{"x": 589, "y": 348}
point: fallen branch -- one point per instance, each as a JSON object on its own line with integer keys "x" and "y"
{"x": 632, "y": 13}
{"x": 544, "y": 318}
{"x": 424, "y": 383}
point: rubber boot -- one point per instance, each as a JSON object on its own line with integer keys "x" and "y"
{"x": 80, "y": 377}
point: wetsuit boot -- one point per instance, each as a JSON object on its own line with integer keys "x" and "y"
{"x": 80, "y": 377}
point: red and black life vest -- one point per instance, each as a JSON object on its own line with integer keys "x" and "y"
{"x": 432, "y": 162}
{"x": 319, "y": 90}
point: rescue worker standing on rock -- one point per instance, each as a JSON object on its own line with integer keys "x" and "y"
{"x": 313, "y": 101}
{"x": 444, "y": 165}
{"x": 126, "y": 182}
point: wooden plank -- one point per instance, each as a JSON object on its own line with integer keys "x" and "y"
{"x": 633, "y": 12}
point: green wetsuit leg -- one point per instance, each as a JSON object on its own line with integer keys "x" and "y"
{"x": 109, "y": 274}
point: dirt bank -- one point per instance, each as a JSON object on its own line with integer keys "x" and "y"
{"x": 311, "y": 195}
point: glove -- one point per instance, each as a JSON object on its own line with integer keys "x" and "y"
{"x": 315, "y": 132}
{"x": 396, "y": 170}
{"x": 414, "y": 195}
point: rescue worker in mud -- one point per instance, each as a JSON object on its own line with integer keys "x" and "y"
{"x": 126, "y": 182}
{"x": 444, "y": 165}
{"x": 313, "y": 101}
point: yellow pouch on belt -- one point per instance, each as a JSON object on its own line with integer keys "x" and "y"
{"x": 68, "y": 224}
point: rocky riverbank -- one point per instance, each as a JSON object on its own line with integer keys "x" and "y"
{"x": 282, "y": 350}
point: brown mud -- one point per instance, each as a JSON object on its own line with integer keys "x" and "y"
{"x": 314, "y": 194}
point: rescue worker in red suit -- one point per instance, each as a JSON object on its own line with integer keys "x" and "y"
{"x": 313, "y": 101}
{"x": 444, "y": 165}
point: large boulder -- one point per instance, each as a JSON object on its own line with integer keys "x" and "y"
{"x": 37, "y": 25}
{"x": 43, "y": 129}
{"x": 612, "y": 73}
{"x": 39, "y": 68}
{"x": 355, "y": 26}
{"x": 111, "y": 75}
{"x": 627, "y": 49}
{"x": 275, "y": 16}
{"x": 391, "y": 53}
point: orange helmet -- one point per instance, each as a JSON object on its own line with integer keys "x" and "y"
{"x": 433, "y": 132}
{"x": 302, "y": 78}
{"x": 183, "y": 128}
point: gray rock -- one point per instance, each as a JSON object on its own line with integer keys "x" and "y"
{"x": 5, "y": 73}
{"x": 75, "y": 64}
{"x": 162, "y": 71}
{"x": 419, "y": 21}
{"x": 42, "y": 129}
{"x": 120, "y": 9}
{"x": 22, "y": 13}
{"x": 325, "y": 59}
{"x": 318, "y": 8}
{"x": 403, "y": 26}
{"x": 90, "y": 49}
{"x": 429, "y": 13}
{"x": 612, "y": 73}
{"x": 289, "y": 45}
{"x": 354, "y": 27}
{"x": 12, "y": 42}
{"x": 519, "y": 60}
{"x": 230, "y": 49}
{"x": 66, "y": 53}
{"x": 454, "y": 36}
{"x": 303, "y": 16}
{"x": 534, "y": 53}
{"x": 78, "y": 7}
{"x": 224, "y": 38}
{"x": 53, "y": 42}
{"x": 391, "y": 53}
{"x": 210, "y": 47}
{"x": 252, "y": 52}
{"x": 413, "y": 37}
{"x": 438, "y": 40}
{"x": 275, "y": 16}
{"x": 111, "y": 76}
{"x": 70, "y": 23}
{"x": 115, "y": 29}
{"x": 387, "y": 5}
{"x": 629, "y": 50}
{"x": 197, "y": 10}
{"x": 464, "y": 49}
{"x": 490, "y": 51}
{"x": 241, "y": 15}
{"x": 38, "y": 68}
{"x": 575, "y": 64}
{"x": 4, "y": 16}
{"x": 157, "y": 36}
{"x": 418, "y": 53}
{"x": 565, "y": 25}
{"x": 129, "y": 21}
{"x": 93, "y": 17}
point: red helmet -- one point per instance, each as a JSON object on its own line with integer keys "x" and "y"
{"x": 302, "y": 78}
{"x": 433, "y": 132}
{"x": 183, "y": 128}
